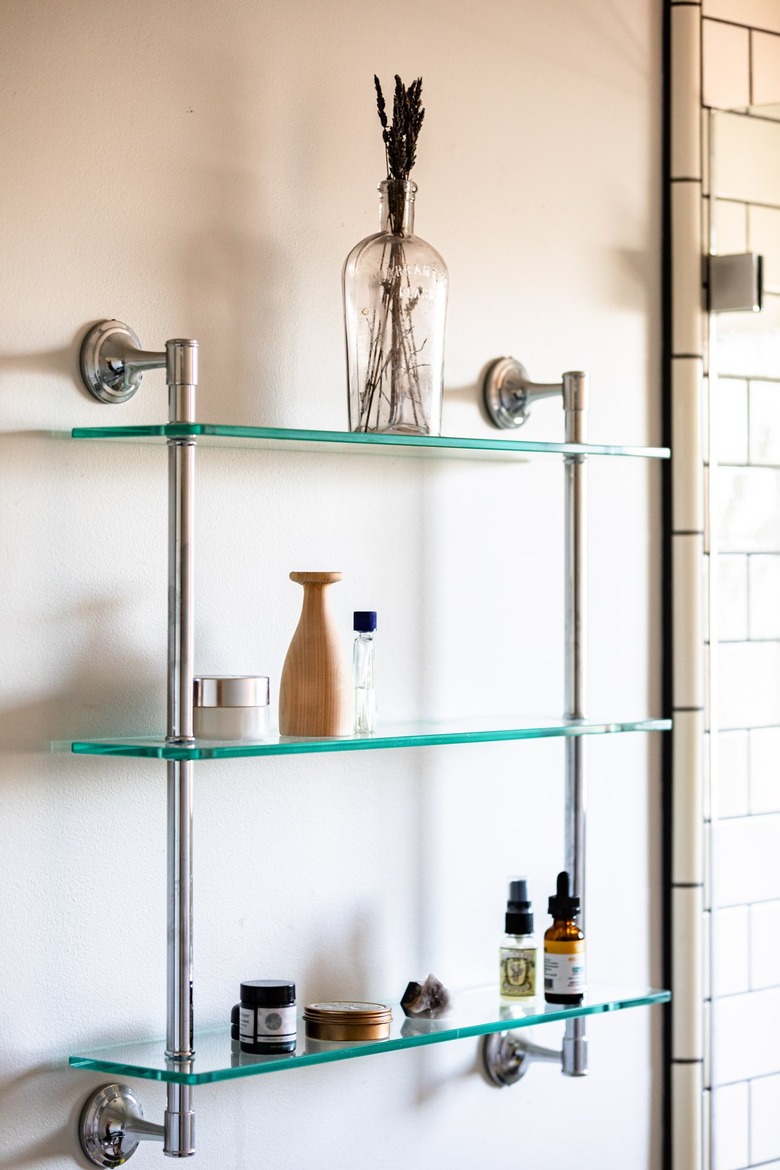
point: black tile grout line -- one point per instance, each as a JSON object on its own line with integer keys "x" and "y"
{"x": 698, "y": 357}
{"x": 685, "y": 179}
{"x": 746, "y": 1081}
{"x": 687, "y": 885}
{"x": 690, "y": 711}
{"x": 687, "y": 532}
{"x": 687, "y": 1060}
{"x": 770, "y": 32}
{"x": 747, "y": 113}
{"x": 748, "y": 202}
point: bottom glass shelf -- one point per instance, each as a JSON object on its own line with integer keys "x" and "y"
{"x": 474, "y": 1013}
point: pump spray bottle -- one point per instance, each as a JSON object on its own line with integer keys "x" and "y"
{"x": 518, "y": 952}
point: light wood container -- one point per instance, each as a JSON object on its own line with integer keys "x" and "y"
{"x": 314, "y": 692}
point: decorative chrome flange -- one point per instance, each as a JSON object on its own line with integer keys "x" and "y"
{"x": 112, "y": 362}
{"x": 112, "y": 1124}
{"x": 506, "y": 1058}
{"x": 509, "y": 393}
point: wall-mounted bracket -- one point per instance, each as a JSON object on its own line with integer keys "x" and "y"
{"x": 509, "y": 393}
{"x": 112, "y": 362}
{"x": 112, "y": 1124}
{"x": 506, "y": 1058}
{"x": 736, "y": 283}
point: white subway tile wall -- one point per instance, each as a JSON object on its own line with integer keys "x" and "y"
{"x": 726, "y": 65}
{"x": 765, "y": 950}
{"x": 732, "y": 420}
{"x": 746, "y": 866}
{"x": 764, "y": 595}
{"x": 749, "y": 509}
{"x": 764, "y": 1115}
{"x": 765, "y": 770}
{"x": 755, "y": 13}
{"x": 686, "y": 121}
{"x": 731, "y": 1142}
{"x": 765, "y": 423}
{"x": 747, "y": 1027}
{"x": 748, "y": 344}
{"x": 748, "y": 159}
{"x": 733, "y": 774}
{"x": 765, "y": 69}
{"x": 733, "y": 951}
{"x": 763, "y": 236}
{"x": 731, "y": 227}
{"x": 740, "y": 66}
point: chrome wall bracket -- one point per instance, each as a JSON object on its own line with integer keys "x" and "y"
{"x": 506, "y": 1058}
{"x": 509, "y": 393}
{"x": 112, "y": 362}
{"x": 112, "y": 1124}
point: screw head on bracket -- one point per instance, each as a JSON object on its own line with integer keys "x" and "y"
{"x": 102, "y": 362}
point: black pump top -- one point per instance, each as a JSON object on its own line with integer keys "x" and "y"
{"x": 563, "y": 904}
{"x": 519, "y": 915}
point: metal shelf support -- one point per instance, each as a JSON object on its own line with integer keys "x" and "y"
{"x": 508, "y": 395}
{"x": 112, "y": 368}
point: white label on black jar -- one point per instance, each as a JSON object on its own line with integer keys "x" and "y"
{"x": 274, "y": 1024}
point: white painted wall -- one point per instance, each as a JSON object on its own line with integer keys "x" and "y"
{"x": 202, "y": 169}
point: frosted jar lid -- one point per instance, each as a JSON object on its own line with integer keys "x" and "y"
{"x": 231, "y": 690}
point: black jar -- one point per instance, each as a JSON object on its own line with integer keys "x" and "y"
{"x": 268, "y": 1022}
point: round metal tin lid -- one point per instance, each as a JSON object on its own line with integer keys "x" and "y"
{"x": 231, "y": 690}
{"x": 349, "y": 1012}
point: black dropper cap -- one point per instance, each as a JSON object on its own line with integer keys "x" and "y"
{"x": 519, "y": 915}
{"x": 563, "y": 904}
{"x": 364, "y": 621}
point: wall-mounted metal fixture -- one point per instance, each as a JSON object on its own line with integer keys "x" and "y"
{"x": 112, "y": 1124}
{"x": 735, "y": 283}
{"x": 112, "y": 366}
{"x": 507, "y": 1058}
{"x": 509, "y": 395}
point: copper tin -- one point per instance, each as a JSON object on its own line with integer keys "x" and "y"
{"x": 347, "y": 1020}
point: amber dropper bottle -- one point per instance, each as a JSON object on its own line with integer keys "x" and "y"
{"x": 564, "y": 948}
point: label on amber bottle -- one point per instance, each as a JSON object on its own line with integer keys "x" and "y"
{"x": 564, "y": 967}
{"x": 517, "y": 972}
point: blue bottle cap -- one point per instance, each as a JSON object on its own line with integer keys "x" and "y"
{"x": 364, "y": 621}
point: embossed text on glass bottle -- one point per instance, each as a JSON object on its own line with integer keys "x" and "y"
{"x": 395, "y": 307}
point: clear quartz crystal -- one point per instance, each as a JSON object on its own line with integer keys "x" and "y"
{"x": 363, "y": 682}
{"x": 395, "y": 306}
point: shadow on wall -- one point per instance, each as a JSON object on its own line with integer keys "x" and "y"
{"x": 94, "y": 687}
{"x": 18, "y": 1098}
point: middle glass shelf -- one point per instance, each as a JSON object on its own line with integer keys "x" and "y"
{"x": 397, "y": 735}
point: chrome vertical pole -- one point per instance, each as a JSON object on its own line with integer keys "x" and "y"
{"x": 575, "y": 405}
{"x": 182, "y": 377}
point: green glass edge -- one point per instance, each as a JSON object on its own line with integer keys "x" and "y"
{"x": 160, "y": 750}
{"x": 96, "y": 1063}
{"x": 277, "y": 434}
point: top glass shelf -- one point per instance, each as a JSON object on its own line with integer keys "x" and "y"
{"x": 270, "y": 438}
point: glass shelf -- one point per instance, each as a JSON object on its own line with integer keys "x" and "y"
{"x": 474, "y": 1013}
{"x": 271, "y": 438}
{"x": 389, "y": 736}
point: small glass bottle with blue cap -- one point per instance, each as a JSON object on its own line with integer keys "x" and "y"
{"x": 364, "y": 625}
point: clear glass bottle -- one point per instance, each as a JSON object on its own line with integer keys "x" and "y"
{"x": 395, "y": 307}
{"x": 518, "y": 953}
{"x": 364, "y": 625}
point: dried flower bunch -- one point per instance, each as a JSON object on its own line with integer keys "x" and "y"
{"x": 400, "y": 136}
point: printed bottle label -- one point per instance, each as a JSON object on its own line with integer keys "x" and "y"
{"x": 517, "y": 971}
{"x": 564, "y": 967}
{"x": 259, "y": 1024}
